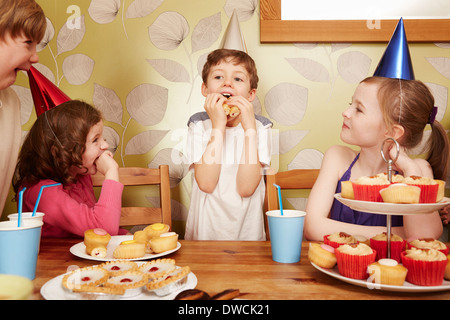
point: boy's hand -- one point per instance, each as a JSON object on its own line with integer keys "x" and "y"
{"x": 247, "y": 115}
{"x": 214, "y": 107}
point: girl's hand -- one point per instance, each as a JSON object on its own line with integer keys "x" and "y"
{"x": 108, "y": 166}
{"x": 404, "y": 163}
{"x": 445, "y": 214}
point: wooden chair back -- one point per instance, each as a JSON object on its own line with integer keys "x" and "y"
{"x": 136, "y": 176}
{"x": 291, "y": 179}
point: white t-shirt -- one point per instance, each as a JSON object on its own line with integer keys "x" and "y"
{"x": 224, "y": 214}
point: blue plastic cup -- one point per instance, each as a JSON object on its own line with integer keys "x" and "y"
{"x": 19, "y": 247}
{"x": 286, "y": 234}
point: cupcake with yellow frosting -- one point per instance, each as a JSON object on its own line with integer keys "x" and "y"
{"x": 353, "y": 260}
{"x": 379, "y": 243}
{"x": 322, "y": 255}
{"x": 339, "y": 238}
{"x": 429, "y": 243}
{"x": 130, "y": 249}
{"x": 428, "y": 188}
{"x": 387, "y": 271}
{"x": 426, "y": 267}
{"x": 155, "y": 230}
{"x": 368, "y": 188}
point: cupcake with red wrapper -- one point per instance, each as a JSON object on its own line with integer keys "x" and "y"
{"x": 379, "y": 243}
{"x": 428, "y": 188}
{"x": 368, "y": 188}
{"x": 426, "y": 267}
{"x": 353, "y": 260}
{"x": 429, "y": 243}
{"x": 339, "y": 238}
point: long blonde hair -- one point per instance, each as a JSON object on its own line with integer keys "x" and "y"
{"x": 409, "y": 103}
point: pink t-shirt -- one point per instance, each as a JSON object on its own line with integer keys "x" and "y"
{"x": 70, "y": 212}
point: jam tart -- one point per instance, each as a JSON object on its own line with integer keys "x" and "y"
{"x": 118, "y": 266}
{"x": 157, "y": 268}
{"x": 131, "y": 281}
{"x": 100, "y": 290}
{"x": 80, "y": 279}
{"x": 169, "y": 282}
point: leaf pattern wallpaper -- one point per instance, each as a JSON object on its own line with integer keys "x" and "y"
{"x": 140, "y": 62}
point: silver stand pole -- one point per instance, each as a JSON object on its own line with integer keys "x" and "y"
{"x": 389, "y": 172}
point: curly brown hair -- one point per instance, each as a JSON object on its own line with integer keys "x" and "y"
{"x": 55, "y": 144}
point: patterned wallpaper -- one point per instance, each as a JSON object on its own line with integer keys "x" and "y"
{"x": 140, "y": 61}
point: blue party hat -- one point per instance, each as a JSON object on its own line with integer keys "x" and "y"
{"x": 396, "y": 60}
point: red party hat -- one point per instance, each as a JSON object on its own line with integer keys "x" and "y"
{"x": 45, "y": 94}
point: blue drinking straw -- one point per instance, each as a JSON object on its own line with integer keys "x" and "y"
{"x": 39, "y": 196}
{"x": 279, "y": 198}
{"x": 19, "y": 217}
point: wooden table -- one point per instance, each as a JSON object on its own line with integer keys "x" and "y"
{"x": 245, "y": 265}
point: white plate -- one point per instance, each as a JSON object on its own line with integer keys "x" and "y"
{"x": 407, "y": 287}
{"x": 79, "y": 250}
{"x": 392, "y": 208}
{"x": 53, "y": 290}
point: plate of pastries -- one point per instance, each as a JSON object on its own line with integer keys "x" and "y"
{"x": 158, "y": 279}
{"x": 401, "y": 195}
{"x": 419, "y": 265}
{"x": 154, "y": 241}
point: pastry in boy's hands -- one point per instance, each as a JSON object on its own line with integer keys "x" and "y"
{"x": 231, "y": 111}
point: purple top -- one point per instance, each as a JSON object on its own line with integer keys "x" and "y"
{"x": 341, "y": 212}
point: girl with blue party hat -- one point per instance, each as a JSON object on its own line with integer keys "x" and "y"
{"x": 391, "y": 104}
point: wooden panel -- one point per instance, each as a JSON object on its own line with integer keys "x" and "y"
{"x": 132, "y": 216}
{"x": 275, "y": 30}
{"x": 136, "y": 176}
